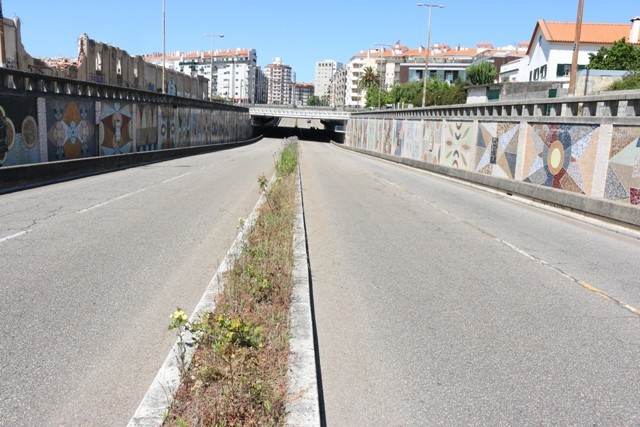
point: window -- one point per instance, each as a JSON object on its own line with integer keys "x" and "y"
{"x": 563, "y": 70}
{"x": 98, "y": 61}
{"x": 543, "y": 72}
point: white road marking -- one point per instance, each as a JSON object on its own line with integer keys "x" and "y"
{"x": 580, "y": 282}
{"x": 177, "y": 177}
{"x": 124, "y": 196}
{"x": 13, "y": 236}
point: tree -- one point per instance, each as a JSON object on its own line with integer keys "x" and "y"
{"x": 313, "y": 101}
{"x": 372, "y": 97}
{"x": 440, "y": 92}
{"x": 369, "y": 78}
{"x": 620, "y": 56}
{"x": 629, "y": 82}
{"x": 404, "y": 93}
{"x": 483, "y": 73}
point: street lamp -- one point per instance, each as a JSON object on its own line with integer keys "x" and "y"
{"x": 382, "y": 46}
{"x": 213, "y": 36}
{"x": 164, "y": 47}
{"x": 426, "y": 61}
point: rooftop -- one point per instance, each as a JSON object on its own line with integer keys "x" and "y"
{"x": 591, "y": 33}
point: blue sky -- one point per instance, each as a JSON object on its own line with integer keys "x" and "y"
{"x": 300, "y": 32}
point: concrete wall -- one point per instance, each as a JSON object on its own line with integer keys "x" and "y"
{"x": 38, "y": 126}
{"x": 598, "y": 160}
{"x": 591, "y": 82}
{"x": 101, "y": 63}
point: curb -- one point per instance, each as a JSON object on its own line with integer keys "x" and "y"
{"x": 160, "y": 395}
{"x": 303, "y": 406}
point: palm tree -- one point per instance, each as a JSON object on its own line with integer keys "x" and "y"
{"x": 369, "y": 78}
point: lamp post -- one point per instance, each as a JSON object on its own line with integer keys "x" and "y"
{"x": 164, "y": 46}
{"x": 426, "y": 61}
{"x": 213, "y": 36}
{"x": 381, "y": 46}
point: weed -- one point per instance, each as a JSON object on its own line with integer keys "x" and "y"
{"x": 179, "y": 323}
{"x": 239, "y": 371}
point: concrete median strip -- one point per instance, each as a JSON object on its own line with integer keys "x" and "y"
{"x": 303, "y": 407}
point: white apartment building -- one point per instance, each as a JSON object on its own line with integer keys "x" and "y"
{"x": 324, "y": 73}
{"x": 235, "y": 71}
{"x": 280, "y": 82}
{"x": 338, "y": 88}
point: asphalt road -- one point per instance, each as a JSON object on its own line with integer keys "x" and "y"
{"x": 92, "y": 269}
{"x": 437, "y": 303}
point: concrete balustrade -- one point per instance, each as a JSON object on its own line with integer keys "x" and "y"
{"x": 578, "y": 152}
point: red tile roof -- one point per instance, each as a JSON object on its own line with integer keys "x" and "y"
{"x": 591, "y": 33}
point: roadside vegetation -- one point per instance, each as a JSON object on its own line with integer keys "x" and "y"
{"x": 238, "y": 376}
{"x": 622, "y": 55}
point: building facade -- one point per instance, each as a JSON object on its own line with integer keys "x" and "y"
{"x": 233, "y": 74}
{"x": 302, "y": 93}
{"x": 338, "y": 88}
{"x": 280, "y": 83}
{"x": 550, "y": 52}
{"x": 324, "y": 74}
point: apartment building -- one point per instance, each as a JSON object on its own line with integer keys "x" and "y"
{"x": 324, "y": 74}
{"x": 399, "y": 64}
{"x": 302, "y": 92}
{"x": 233, "y": 74}
{"x": 338, "y": 88}
{"x": 280, "y": 81}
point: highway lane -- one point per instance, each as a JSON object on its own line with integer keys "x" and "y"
{"x": 92, "y": 268}
{"x": 441, "y": 304}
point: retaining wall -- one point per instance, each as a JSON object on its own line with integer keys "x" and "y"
{"x": 582, "y": 146}
{"x": 48, "y": 119}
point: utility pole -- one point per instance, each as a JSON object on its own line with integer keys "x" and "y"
{"x": 426, "y": 61}
{"x": 576, "y": 50}
{"x": 164, "y": 48}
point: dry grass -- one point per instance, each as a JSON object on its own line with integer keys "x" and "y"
{"x": 238, "y": 376}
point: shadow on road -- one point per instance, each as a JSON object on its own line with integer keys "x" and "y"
{"x": 306, "y": 134}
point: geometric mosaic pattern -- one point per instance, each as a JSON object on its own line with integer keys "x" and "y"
{"x": 431, "y": 138}
{"x": 561, "y": 156}
{"x": 497, "y": 149}
{"x": 397, "y": 137}
{"x": 7, "y": 136}
{"x": 457, "y": 151}
{"x": 184, "y": 127}
{"x": 623, "y": 173}
{"x": 168, "y": 128}
{"x": 116, "y": 133}
{"x": 70, "y": 129}
{"x": 147, "y": 127}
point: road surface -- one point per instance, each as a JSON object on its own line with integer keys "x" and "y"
{"x": 92, "y": 268}
{"x": 437, "y": 303}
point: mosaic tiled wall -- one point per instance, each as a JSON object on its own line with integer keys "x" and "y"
{"x": 34, "y": 130}
{"x": 116, "y": 128}
{"x": 71, "y": 129}
{"x": 595, "y": 160}
{"x": 18, "y": 131}
{"x": 623, "y": 173}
